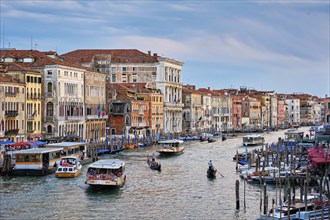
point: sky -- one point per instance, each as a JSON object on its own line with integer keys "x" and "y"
{"x": 280, "y": 46}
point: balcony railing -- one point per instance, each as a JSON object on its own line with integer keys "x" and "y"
{"x": 173, "y": 104}
{"x": 10, "y": 94}
{"x": 11, "y": 113}
{"x": 49, "y": 118}
{"x": 12, "y": 132}
{"x": 30, "y": 117}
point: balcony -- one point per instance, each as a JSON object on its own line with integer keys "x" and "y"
{"x": 10, "y": 94}
{"x": 141, "y": 113}
{"x": 30, "y": 117}
{"x": 49, "y": 118}
{"x": 173, "y": 104}
{"x": 49, "y": 94}
{"x": 142, "y": 124}
{"x": 12, "y": 132}
{"x": 11, "y": 113}
{"x": 72, "y": 118}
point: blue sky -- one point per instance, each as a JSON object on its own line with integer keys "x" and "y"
{"x": 265, "y": 45}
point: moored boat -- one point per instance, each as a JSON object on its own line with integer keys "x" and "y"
{"x": 109, "y": 172}
{"x": 69, "y": 167}
{"x": 170, "y": 147}
{"x": 36, "y": 161}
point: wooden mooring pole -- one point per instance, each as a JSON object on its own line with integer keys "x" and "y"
{"x": 237, "y": 195}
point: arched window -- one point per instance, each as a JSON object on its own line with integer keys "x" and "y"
{"x": 128, "y": 108}
{"x": 49, "y": 129}
{"x": 50, "y": 109}
{"x": 49, "y": 87}
{"x": 127, "y": 120}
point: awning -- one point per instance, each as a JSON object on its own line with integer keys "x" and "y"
{"x": 6, "y": 142}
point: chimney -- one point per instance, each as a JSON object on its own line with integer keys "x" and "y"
{"x": 208, "y": 88}
{"x": 155, "y": 54}
{"x": 149, "y": 52}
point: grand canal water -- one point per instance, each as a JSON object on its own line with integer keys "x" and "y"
{"x": 180, "y": 191}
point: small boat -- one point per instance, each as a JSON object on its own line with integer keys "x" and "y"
{"x": 154, "y": 165}
{"x": 210, "y": 140}
{"x": 253, "y": 139}
{"x": 202, "y": 138}
{"x": 223, "y": 138}
{"x": 211, "y": 172}
{"x": 109, "y": 173}
{"x": 69, "y": 167}
{"x": 170, "y": 147}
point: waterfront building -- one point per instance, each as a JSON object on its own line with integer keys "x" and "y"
{"x": 254, "y": 108}
{"x": 216, "y": 110}
{"x": 192, "y": 110}
{"x": 13, "y": 121}
{"x": 129, "y": 113}
{"x": 293, "y": 109}
{"x": 237, "y": 112}
{"x": 226, "y": 96}
{"x": 63, "y": 88}
{"x": 128, "y": 66}
{"x": 281, "y": 113}
{"x": 326, "y": 110}
{"x": 33, "y": 86}
{"x": 273, "y": 111}
{"x": 207, "y": 109}
{"x": 2, "y": 112}
{"x": 95, "y": 105}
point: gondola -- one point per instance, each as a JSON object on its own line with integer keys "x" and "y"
{"x": 154, "y": 165}
{"x": 211, "y": 173}
{"x": 210, "y": 140}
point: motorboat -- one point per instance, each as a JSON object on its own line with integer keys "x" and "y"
{"x": 170, "y": 147}
{"x": 253, "y": 140}
{"x": 109, "y": 172}
{"x": 69, "y": 167}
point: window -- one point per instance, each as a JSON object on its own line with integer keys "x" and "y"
{"x": 50, "y": 87}
{"x": 49, "y": 72}
{"x": 28, "y": 79}
{"x": 49, "y": 129}
{"x": 124, "y": 68}
{"x": 50, "y": 109}
{"x": 113, "y": 79}
{"x": 124, "y": 78}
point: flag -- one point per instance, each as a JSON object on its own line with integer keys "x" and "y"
{"x": 98, "y": 110}
{"x": 103, "y": 112}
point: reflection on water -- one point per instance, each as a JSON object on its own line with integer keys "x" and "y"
{"x": 180, "y": 191}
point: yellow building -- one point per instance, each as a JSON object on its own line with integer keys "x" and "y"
{"x": 13, "y": 106}
{"x": 95, "y": 101}
{"x": 33, "y": 86}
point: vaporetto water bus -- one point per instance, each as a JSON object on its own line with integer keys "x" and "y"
{"x": 110, "y": 172}
{"x": 36, "y": 161}
{"x": 169, "y": 147}
{"x": 253, "y": 139}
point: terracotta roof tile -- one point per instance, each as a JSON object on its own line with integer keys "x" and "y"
{"x": 117, "y": 56}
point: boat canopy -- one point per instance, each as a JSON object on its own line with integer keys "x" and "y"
{"x": 252, "y": 136}
{"x": 37, "y": 151}
{"x": 108, "y": 164}
{"x": 66, "y": 144}
{"x": 172, "y": 141}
